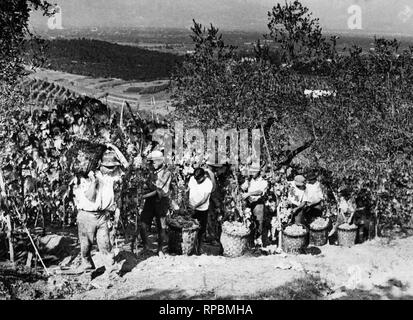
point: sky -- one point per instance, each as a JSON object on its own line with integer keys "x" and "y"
{"x": 377, "y": 16}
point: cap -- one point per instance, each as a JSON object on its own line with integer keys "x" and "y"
{"x": 110, "y": 159}
{"x": 299, "y": 181}
{"x": 156, "y": 155}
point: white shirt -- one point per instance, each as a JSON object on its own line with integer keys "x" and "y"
{"x": 259, "y": 184}
{"x": 105, "y": 197}
{"x": 295, "y": 195}
{"x": 313, "y": 192}
{"x": 346, "y": 206}
{"x": 197, "y": 191}
{"x": 163, "y": 180}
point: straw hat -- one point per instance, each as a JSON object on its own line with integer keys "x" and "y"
{"x": 156, "y": 155}
{"x": 110, "y": 159}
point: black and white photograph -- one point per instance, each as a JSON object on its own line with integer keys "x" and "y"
{"x": 228, "y": 151}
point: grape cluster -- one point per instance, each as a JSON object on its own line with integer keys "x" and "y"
{"x": 182, "y": 222}
{"x": 347, "y": 226}
{"x": 295, "y": 230}
{"x": 235, "y": 228}
{"x": 319, "y": 224}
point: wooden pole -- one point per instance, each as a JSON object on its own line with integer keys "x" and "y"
{"x": 121, "y": 115}
{"x": 280, "y": 240}
{"x": 37, "y": 252}
{"x": 268, "y": 151}
{"x": 10, "y": 237}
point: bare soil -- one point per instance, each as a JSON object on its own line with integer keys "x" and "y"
{"x": 378, "y": 269}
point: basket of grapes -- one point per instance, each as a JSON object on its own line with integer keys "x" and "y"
{"x": 84, "y": 156}
{"x": 182, "y": 235}
{"x": 318, "y": 232}
{"x": 234, "y": 238}
{"x": 294, "y": 238}
{"x": 347, "y": 234}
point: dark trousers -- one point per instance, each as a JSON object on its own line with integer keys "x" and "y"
{"x": 212, "y": 225}
{"x": 306, "y": 215}
{"x": 259, "y": 212}
{"x": 158, "y": 209}
{"x": 202, "y": 217}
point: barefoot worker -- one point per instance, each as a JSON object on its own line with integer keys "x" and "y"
{"x": 157, "y": 202}
{"x": 95, "y": 201}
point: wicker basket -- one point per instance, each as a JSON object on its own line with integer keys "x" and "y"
{"x": 182, "y": 240}
{"x": 319, "y": 237}
{"x": 234, "y": 245}
{"x": 293, "y": 243}
{"x": 347, "y": 237}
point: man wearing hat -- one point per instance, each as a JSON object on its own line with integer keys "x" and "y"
{"x": 157, "y": 202}
{"x": 94, "y": 198}
{"x": 257, "y": 189}
{"x": 296, "y": 198}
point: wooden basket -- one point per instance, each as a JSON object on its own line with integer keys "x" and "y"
{"x": 319, "y": 237}
{"x": 182, "y": 240}
{"x": 294, "y": 244}
{"x": 347, "y": 237}
{"x": 234, "y": 245}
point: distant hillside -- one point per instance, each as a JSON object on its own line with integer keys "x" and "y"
{"x": 102, "y": 59}
{"x": 379, "y": 16}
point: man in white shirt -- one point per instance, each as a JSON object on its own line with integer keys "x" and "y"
{"x": 200, "y": 189}
{"x": 95, "y": 201}
{"x": 314, "y": 197}
{"x": 214, "y": 209}
{"x": 257, "y": 189}
{"x": 306, "y": 197}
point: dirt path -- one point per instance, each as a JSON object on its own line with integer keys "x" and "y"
{"x": 377, "y": 269}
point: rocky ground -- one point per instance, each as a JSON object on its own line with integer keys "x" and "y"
{"x": 378, "y": 269}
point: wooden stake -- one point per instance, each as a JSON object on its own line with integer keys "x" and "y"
{"x": 280, "y": 239}
{"x": 10, "y": 237}
{"x": 268, "y": 151}
{"x": 29, "y": 259}
{"x": 37, "y": 252}
{"x": 121, "y": 115}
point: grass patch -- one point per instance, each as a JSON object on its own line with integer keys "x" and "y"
{"x": 307, "y": 288}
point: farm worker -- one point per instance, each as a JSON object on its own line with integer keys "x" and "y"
{"x": 313, "y": 196}
{"x": 200, "y": 189}
{"x": 296, "y": 198}
{"x": 2, "y": 185}
{"x": 363, "y": 216}
{"x": 255, "y": 196}
{"x": 95, "y": 200}
{"x": 346, "y": 209}
{"x": 214, "y": 208}
{"x": 157, "y": 202}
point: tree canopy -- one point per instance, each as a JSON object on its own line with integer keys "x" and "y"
{"x": 359, "y": 134}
